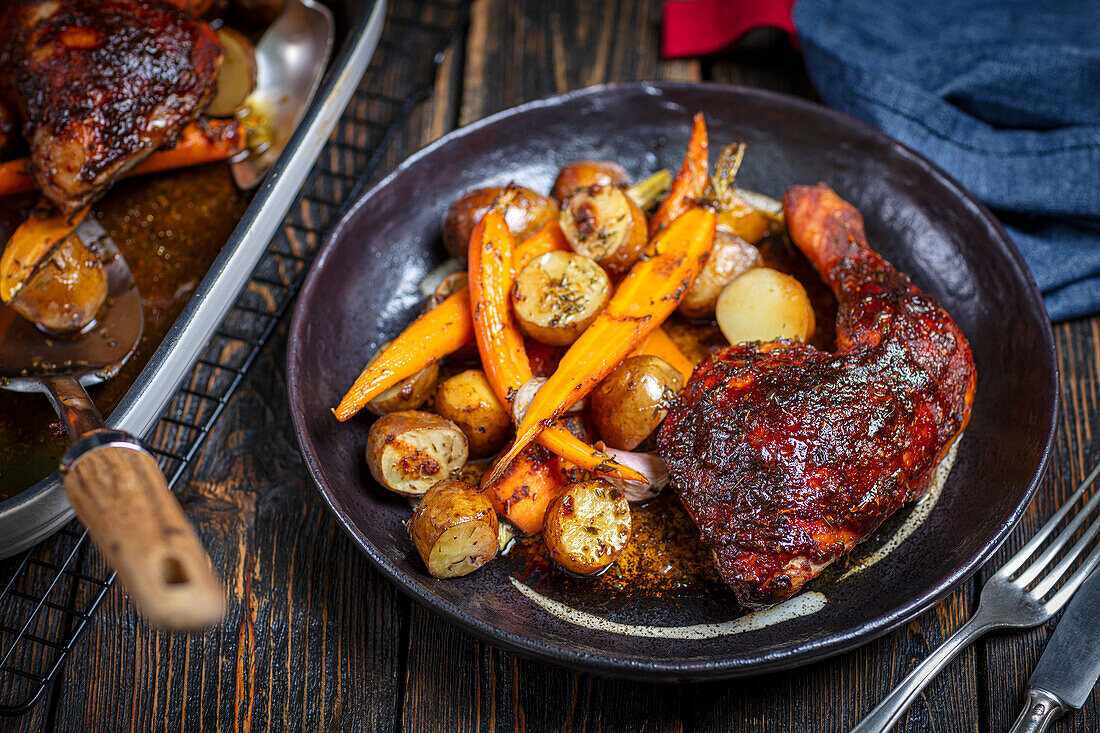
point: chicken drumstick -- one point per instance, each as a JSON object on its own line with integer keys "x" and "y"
{"x": 786, "y": 456}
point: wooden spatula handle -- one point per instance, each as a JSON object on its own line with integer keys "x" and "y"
{"x": 121, "y": 496}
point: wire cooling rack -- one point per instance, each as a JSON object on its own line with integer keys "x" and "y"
{"x": 55, "y": 588}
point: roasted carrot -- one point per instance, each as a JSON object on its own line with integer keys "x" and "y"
{"x": 525, "y": 488}
{"x": 213, "y": 141}
{"x": 15, "y": 177}
{"x": 658, "y": 344}
{"x": 32, "y": 241}
{"x": 220, "y": 140}
{"x": 500, "y": 342}
{"x": 643, "y": 300}
{"x": 441, "y": 331}
{"x": 690, "y": 183}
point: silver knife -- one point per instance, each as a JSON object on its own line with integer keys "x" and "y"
{"x": 1070, "y": 664}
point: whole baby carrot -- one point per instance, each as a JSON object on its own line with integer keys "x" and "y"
{"x": 441, "y": 331}
{"x": 690, "y": 183}
{"x": 644, "y": 299}
{"x": 500, "y": 342}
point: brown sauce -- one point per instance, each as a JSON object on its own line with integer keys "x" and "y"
{"x": 170, "y": 227}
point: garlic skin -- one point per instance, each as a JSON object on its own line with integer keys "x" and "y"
{"x": 650, "y": 465}
{"x": 522, "y": 399}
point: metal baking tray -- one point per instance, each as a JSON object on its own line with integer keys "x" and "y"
{"x": 42, "y": 509}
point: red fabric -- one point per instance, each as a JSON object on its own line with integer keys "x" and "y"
{"x": 697, "y": 27}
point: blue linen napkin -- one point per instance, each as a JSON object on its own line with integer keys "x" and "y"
{"x": 1002, "y": 94}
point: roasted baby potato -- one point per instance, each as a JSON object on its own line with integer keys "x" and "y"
{"x": 467, "y": 400}
{"x": 633, "y": 399}
{"x": 66, "y": 290}
{"x": 557, "y": 295}
{"x": 525, "y": 214}
{"x": 763, "y": 305}
{"x": 454, "y": 529}
{"x": 742, "y": 220}
{"x": 604, "y": 224}
{"x": 408, "y": 394}
{"x": 587, "y": 527}
{"x": 584, "y": 173}
{"x": 729, "y": 257}
{"x": 237, "y": 75}
{"x": 410, "y": 451}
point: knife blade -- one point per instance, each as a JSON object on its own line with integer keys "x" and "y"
{"x": 1070, "y": 664}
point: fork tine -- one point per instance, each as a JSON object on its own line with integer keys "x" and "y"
{"x": 1016, "y": 561}
{"x": 1042, "y": 588}
{"x": 1066, "y": 592}
{"x": 1060, "y": 541}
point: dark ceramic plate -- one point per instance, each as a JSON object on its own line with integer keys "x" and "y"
{"x": 363, "y": 290}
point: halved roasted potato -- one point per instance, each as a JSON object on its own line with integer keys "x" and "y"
{"x": 763, "y": 305}
{"x": 729, "y": 257}
{"x": 237, "y": 75}
{"x": 454, "y": 529}
{"x": 467, "y": 400}
{"x": 408, "y": 394}
{"x": 633, "y": 399}
{"x": 557, "y": 295}
{"x": 410, "y": 451}
{"x": 583, "y": 173}
{"x": 604, "y": 224}
{"x": 29, "y": 245}
{"x": 587, "y": 527}
{"x": 527, "y": 212}
{"x": 66, "y": 291}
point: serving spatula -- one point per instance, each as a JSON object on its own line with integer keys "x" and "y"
{"x": 114, "y": 485}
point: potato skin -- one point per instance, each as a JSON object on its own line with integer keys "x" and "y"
{"x": 467, "y": 400}
{"x": 604, "y": 224}
{"x": 633, "y": 399}
{"x": 742, "y": 220}
{"x": 237, "y": 75}
{"x": 527, "y": 212}
{"x": 764, "y": 305}
{"x": 408, "y": 394}
{"x": 586, "y": 172}
{"x": 557, "y": 295}
{"x": 66, "y": 290}
{"x": 729, "y": 257}
{"x": 454, "y": 529}
{"x": 587, "y": 527}
{"x": 410, "y": 451}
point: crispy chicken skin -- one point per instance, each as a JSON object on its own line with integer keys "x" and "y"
{"x": 9, "y": 132}
{"x": 101, "y": 84}
{"x": 786, "y": 456}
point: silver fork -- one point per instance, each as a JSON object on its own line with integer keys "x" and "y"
{"x": 1006, "y": 602}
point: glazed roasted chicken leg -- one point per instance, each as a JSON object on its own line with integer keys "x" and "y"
{"x": 101, "y": 84}
{"x": 786, "y": 456}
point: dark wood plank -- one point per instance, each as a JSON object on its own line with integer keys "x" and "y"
{"x": 1008, "y": 658}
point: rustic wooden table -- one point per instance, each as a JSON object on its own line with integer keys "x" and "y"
{"x": 315, "y": 639}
